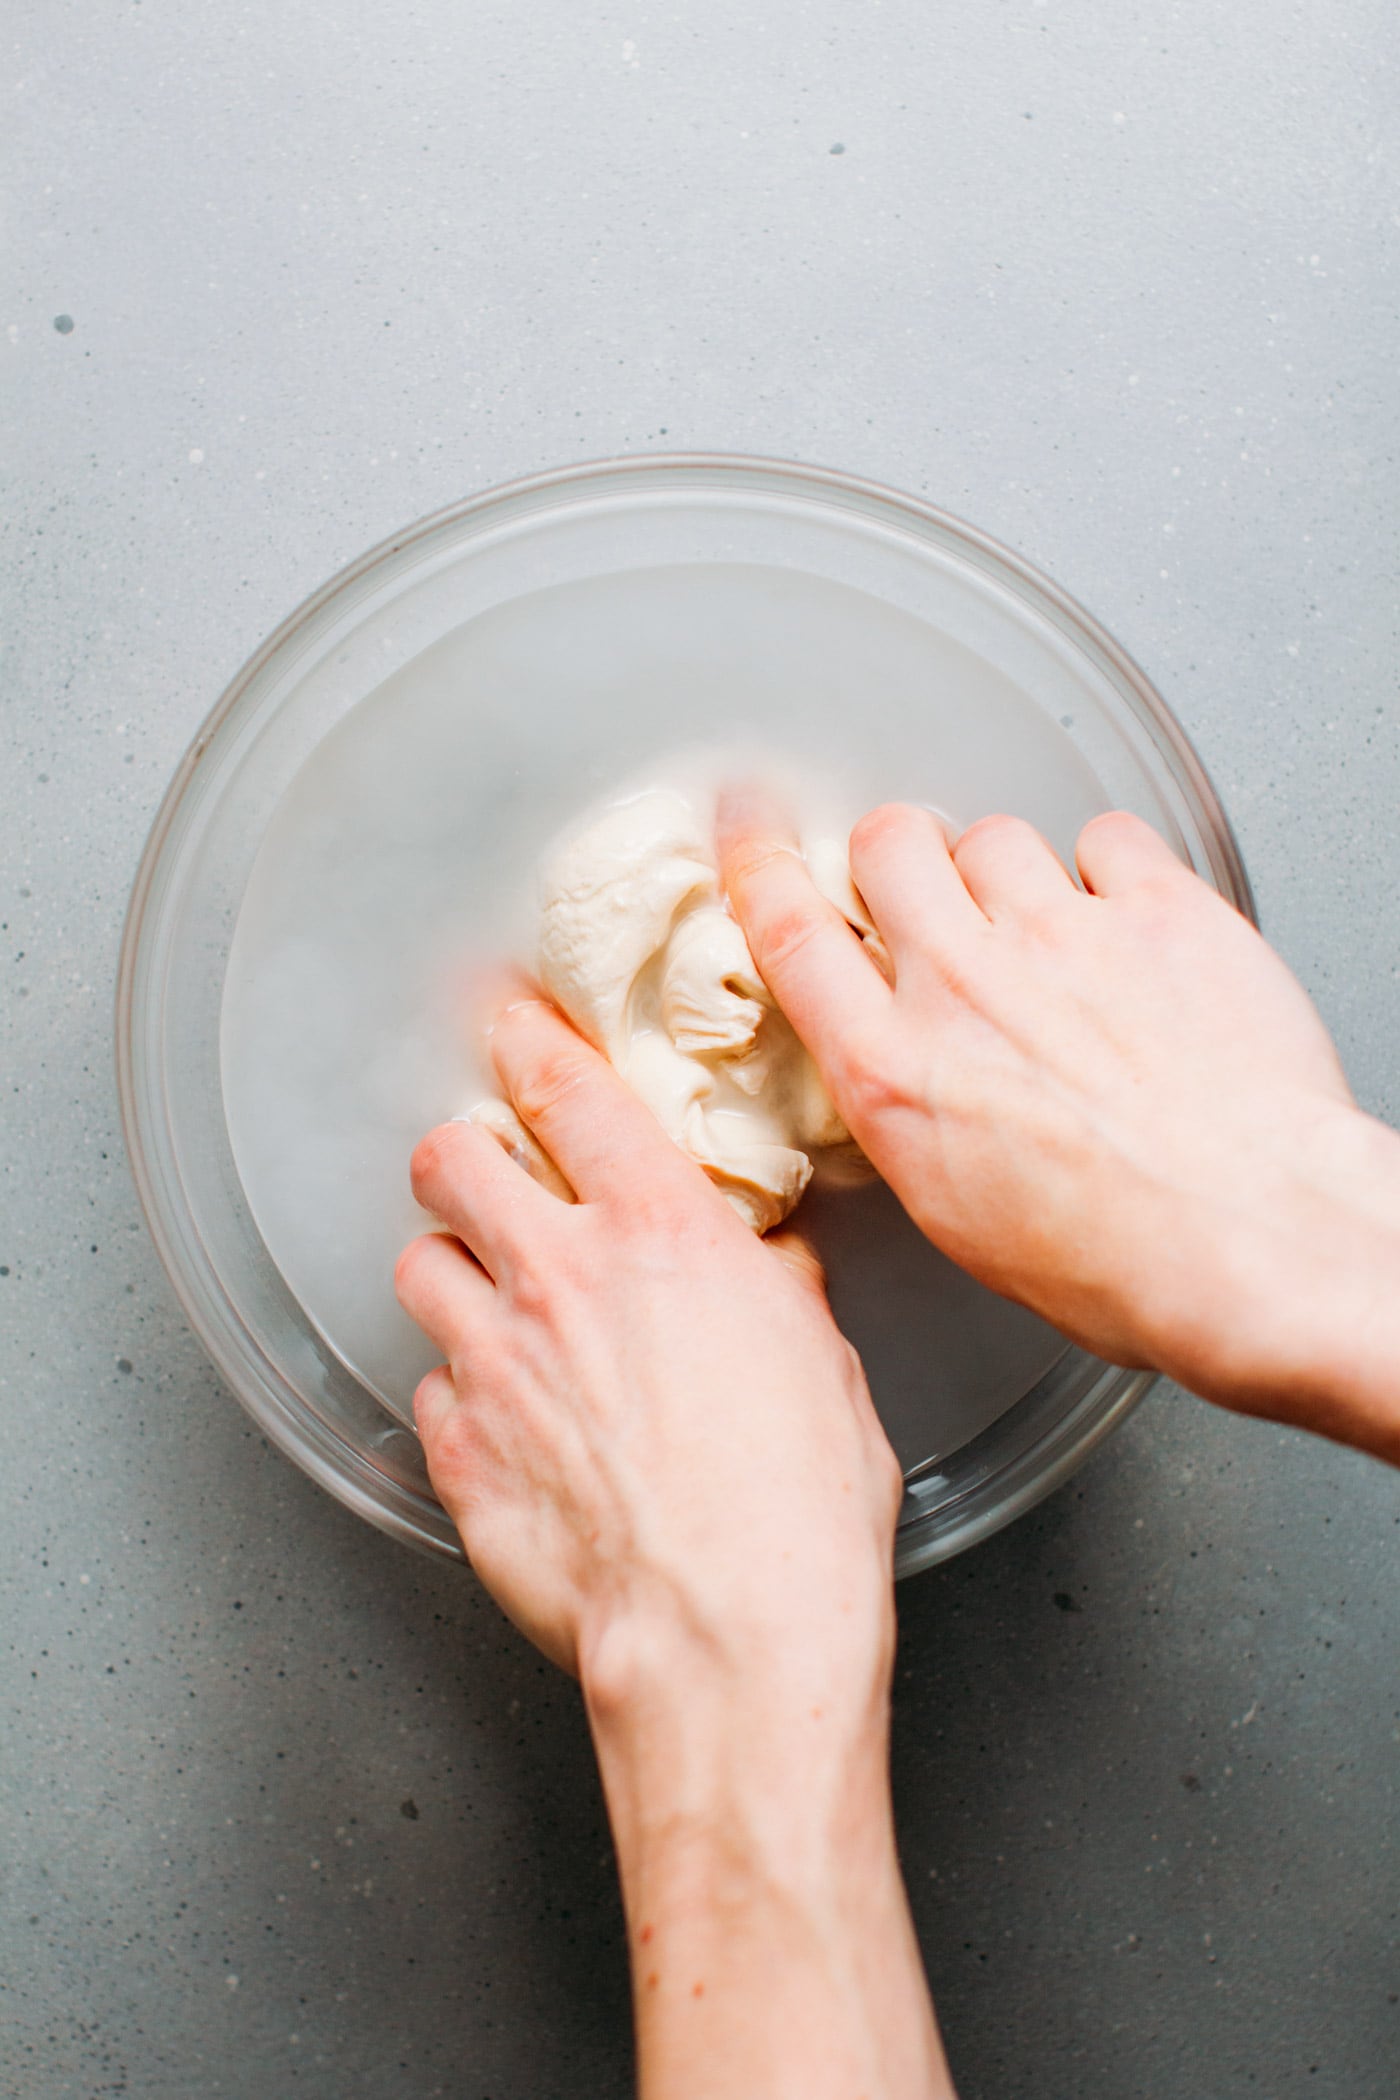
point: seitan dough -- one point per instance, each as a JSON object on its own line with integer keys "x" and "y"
{"x": 638, "y": 947}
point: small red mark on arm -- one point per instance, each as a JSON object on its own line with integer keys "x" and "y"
{"x": 645, "y": 1935}
{"x": 652, "y": 1980}
{"x": 697, "y": 1990}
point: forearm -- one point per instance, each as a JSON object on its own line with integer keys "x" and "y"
{"x": 771, "y": 1945}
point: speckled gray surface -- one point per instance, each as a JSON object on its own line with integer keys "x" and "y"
{"x": 285, "y": 1808}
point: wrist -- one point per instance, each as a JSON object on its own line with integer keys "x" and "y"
{"x": 1301, "y": 1317}
{"x": 699, "y": 1741}
{"x": 712, "y": 1827}
{"x": 767, "y": 1921}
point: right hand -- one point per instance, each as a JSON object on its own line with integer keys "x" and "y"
{"x": 1115, "y": 1105}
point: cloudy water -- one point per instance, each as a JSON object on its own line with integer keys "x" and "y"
{"x": 405, "y": 853}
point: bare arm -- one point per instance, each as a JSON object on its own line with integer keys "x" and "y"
{"x": 1114, "y": 1104}
{"x": 665, "y": 1465}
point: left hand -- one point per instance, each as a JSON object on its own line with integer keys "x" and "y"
{"x": 665, "y": 1465}
{"x": 660, "y": 1452}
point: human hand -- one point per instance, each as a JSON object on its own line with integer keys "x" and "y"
{"x": 665, "y": 1465}
{"x": 1115, "y": 1105}
{"x": 648, "y": 1429}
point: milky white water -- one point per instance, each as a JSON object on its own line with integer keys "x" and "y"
{"x": 405, "y": 853}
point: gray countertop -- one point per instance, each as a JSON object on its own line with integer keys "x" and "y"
{"x": 284, "y": 1808}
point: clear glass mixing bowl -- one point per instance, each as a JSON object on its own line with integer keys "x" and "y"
{"x": 399, "y": 600}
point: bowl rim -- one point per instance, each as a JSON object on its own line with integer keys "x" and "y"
{"x": 1066, "y": 1451}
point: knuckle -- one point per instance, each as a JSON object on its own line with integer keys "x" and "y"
{"x": 432, "y": 1154}
{"x": 881, "y": 826}
{"x": 874, "y": 1087}
{"x": 1124, "y": 849}
{"x": 640, "y": 1211}
{"x": 540, "y": 1278}
{"x": 1113, "y": 827}
{"x": 428, "y": 1391}
{"x": 528, "y": 1290}
{"x": 406, "y": 1269}
{"x": 450, "y": 1447}
{"x": 788, "y": 934}
{"x": 631, "y": 1214}
{"x": 992, "y": 834}
{"x": 550, "y": 1083}
{"x": 749, "y": 860}
{"x": 662, "y": 1214}
{"x": 666, "y": 1220}
{"x": 874, "y": 1097}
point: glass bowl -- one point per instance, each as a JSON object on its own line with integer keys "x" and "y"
{"x": 404, "y": 597}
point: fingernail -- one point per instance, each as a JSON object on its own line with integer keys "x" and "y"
{"x": 516, "y": 1006}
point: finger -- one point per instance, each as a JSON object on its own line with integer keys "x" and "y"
{"x": 521, "y": 1145}
{"x": 1117, "y": 851}
{"x": 439, "y": 1285}
{"x": 606, "y": 1141}
{"x": 463, "y": 1177}
{"x": 434, "y": 1403}
{"x": 796, "y": 1252}
{"x": 902, "y": 866}
{"x": 1009, "y": 870}
{"x": 806, "y": 953}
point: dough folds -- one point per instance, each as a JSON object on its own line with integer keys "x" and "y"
{"x": 638, "y": 948}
